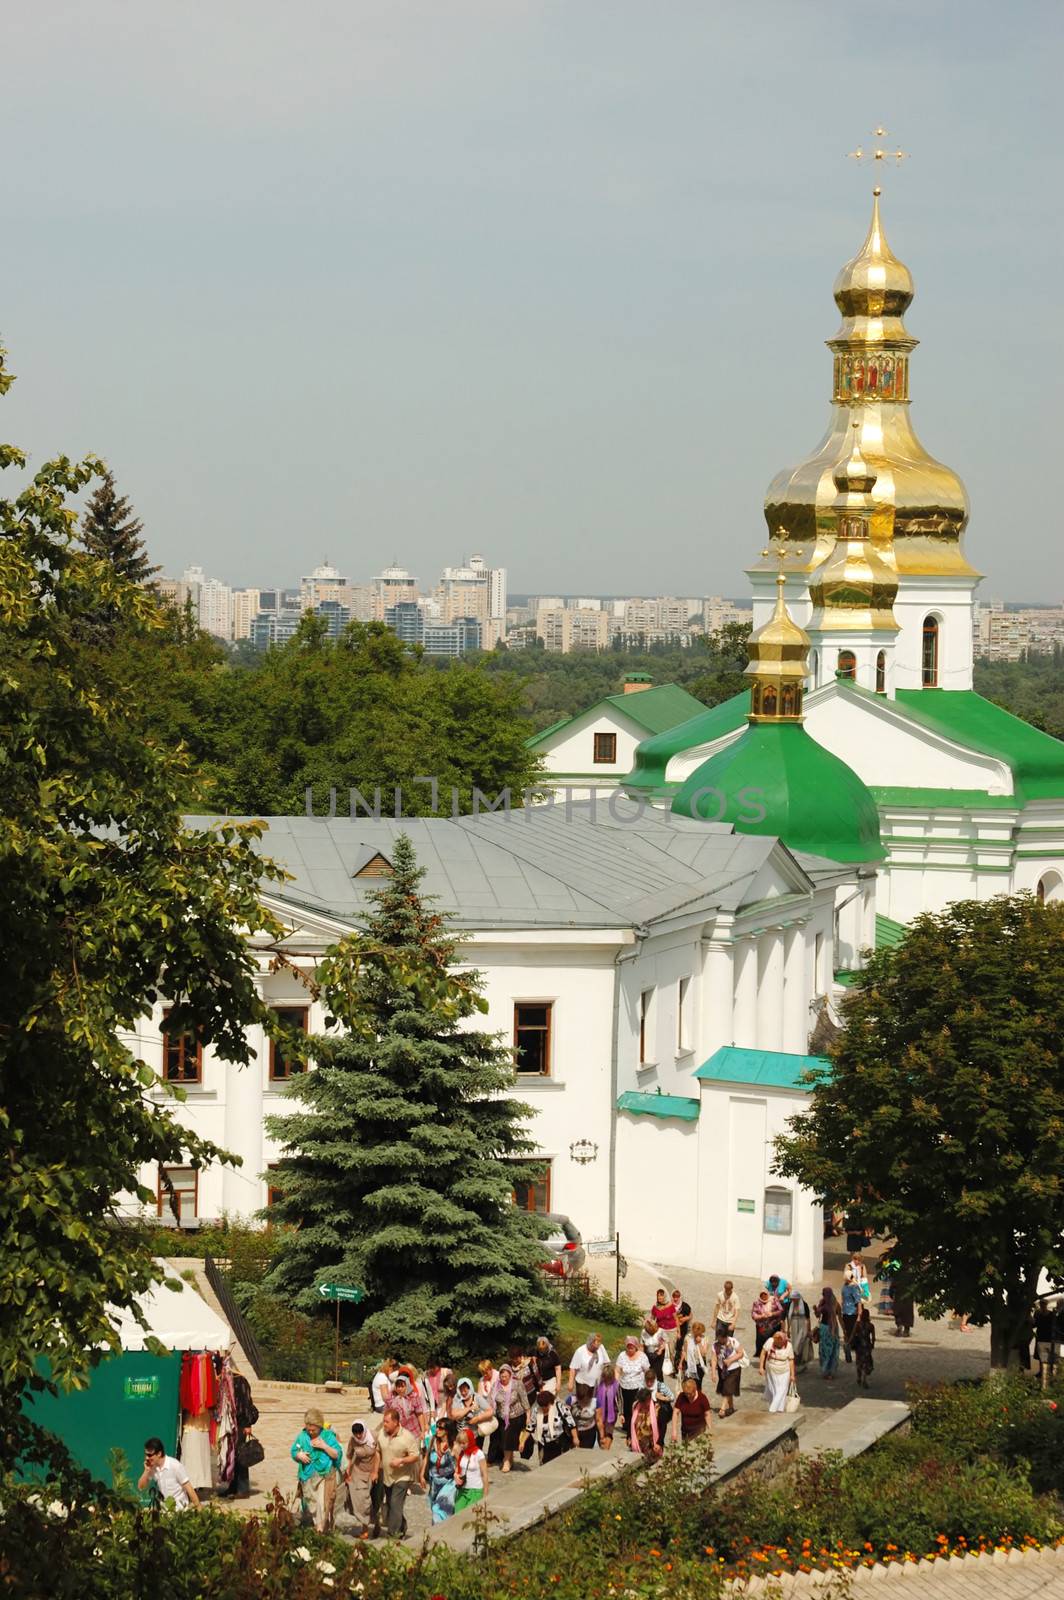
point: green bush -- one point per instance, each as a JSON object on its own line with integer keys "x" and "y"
{"x": 597, "y": 1306}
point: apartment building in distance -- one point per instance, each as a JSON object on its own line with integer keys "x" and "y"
{"x": 567, "y": 628}
{"x": 999, "y": 634}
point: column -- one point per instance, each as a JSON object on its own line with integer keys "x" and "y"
{"x": 716, "y": 1023}
{"x": 797, "y": 990}
{"x": 744, "y": 1024}
{"x": 241, "y": 1186}
{"x": 770, "y": 990}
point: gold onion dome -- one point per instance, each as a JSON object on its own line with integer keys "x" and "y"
{"x": 777, "y": 666}
{"x": 919, "y": 508}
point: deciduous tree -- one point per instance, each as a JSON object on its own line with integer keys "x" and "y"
{"x": 105, "y": 897}
{"x": 941, "y": 1121}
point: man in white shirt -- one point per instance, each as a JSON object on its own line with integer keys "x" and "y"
{"x": 589, "y": 1361}
{"x": 168, "y": 1475}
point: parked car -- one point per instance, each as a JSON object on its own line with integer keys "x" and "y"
{"x": 564, "y": 1246}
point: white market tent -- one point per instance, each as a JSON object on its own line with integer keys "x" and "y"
{"x": 179, "y": 1318}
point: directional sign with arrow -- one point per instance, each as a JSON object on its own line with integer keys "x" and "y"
{"x": 341, "y": 1291}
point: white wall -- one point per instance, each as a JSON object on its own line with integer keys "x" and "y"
{"x": 950, "y": 600}
{"x": 571, "y": 751}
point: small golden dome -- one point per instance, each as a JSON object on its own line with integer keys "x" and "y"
{"x": 875, "y": 283}
{"x": 854, "y": 476}
{"x": 777, "y": 667}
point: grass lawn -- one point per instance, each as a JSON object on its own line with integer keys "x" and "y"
{"x": 574, "y": 1328}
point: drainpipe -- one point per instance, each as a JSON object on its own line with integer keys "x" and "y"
{"x": 622, "y": 955}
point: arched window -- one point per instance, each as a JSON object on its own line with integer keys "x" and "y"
{"x": 1049, "y": 887}
{"x": 1041, "y": 891}
{"x": 779, "y": 1209}
{"x": 847, "y": 667}
{"x": 881, "y": 672}
{"x": 768, "y": 701}
{"x": 929, "y": 672}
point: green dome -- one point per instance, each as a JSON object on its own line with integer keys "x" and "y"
{"x": 811, "y": 800}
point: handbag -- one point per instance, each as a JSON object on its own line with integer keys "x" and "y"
{"x": 667, "y": 1367}
{"x": 793, "y": 1400}
{"x": 527, "y": 1446}
{"x": 486, "y": 1429}
{"x": 866, "y": 1293}
{"x": 249, "y": 1452}
{"x": 744, "y": 1361}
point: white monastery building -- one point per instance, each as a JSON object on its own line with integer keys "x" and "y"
{"x": 665, "y": 954}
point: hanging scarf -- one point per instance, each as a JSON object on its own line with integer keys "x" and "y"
{"x": 607, "y": 1396}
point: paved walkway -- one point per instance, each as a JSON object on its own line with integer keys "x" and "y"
{"x": 1034, "y": 1575}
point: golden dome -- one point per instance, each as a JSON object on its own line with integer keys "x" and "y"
{"x": 919, "y": 507}
{"x": 854, "y": 475}
{"x": 875, "y": 289}
{"x": 777, "y": 667}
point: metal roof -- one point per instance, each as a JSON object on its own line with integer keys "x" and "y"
{"x": 640, "y": 1104}
{"x": 550, "y": 866}
{"x": 777, "y": 1069}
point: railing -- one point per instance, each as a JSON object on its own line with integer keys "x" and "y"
{"x": 575, "y": 1287}
{"x": 233, "y": 1314}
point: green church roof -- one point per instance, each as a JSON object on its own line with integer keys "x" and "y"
{"x": 653, "y": 710}
{"x": 1035, "y": 758}
{"x": 776, "y": 780}
{"x": 659, "y": 1105}
{"x": 775, "y": 1069}
{"x": 653, "y": 755}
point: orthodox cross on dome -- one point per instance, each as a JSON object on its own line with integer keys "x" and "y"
{"x": 878, "y": 152}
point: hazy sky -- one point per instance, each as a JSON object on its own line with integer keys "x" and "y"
{"x": 547, "y": 279}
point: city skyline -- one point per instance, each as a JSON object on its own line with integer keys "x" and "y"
{"x": 551, "y": 282}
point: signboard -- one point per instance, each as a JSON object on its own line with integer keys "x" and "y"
{"x": 341, "y": 1291}
{"x": 600, "y": 1247}
{"x": 747, "y": 1205}
{"x": 141, "y": 1388}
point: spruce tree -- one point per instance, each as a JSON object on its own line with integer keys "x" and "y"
{"x": 111, "y": 531}
{"x": 402, "y": 1147}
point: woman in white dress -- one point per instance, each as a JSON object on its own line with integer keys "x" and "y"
{"x": 777, "y": 1369}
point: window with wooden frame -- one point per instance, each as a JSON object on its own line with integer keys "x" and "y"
{"x": 645, "y": 1033}
{"x": 929, "y": 660}
{"x": 182, "y": 1056}
{"x": 532, "y": 1037}
{"x": 682, "y": 1017}
{"x": 847, "y": 667}
{"x": 282, "y": 1062}
{"x": 605, "y": 748}
{"x": 184, "y": 1199}
{"x": 534, "y": 1196}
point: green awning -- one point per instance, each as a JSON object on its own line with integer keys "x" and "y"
{"x": 773, "y": 1068}
{"x": 658, "y": 1105}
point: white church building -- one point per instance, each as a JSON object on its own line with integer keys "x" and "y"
{"x": 662, "y": 957}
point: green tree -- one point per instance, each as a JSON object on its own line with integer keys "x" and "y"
{"x": 942, "y": 1119}
{"x": 111, "y": 531}
{"x": 403, "y": 1146}
{"x": 104, "y": 897}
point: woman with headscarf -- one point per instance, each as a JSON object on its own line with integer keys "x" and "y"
{"x": 777, "y": 1369}
{"x": 463, "y": 1403}
{"x": 547, "y": 1366}
{"x": 317, "y": 1453}
{"x": 644, "y": 1434}
{"x": 471, "y": 1472}
{"x": 362, "y": 1467}
{"x": 728, "y": 1358}
{"x": 862, "y": 1343}
{"x": 438, "y": 1468}
{"x": 655, "y": 1346}
{"x": 511, "y": 1409}
{"x": 608, "y": 1401}
{"x": 551, "y": 1426}
{"x": 827, "y": 1333}
{"x": 767, "y": 1313}
{"x": 798, "y": 1327}
{"x": 693, "y": 1355}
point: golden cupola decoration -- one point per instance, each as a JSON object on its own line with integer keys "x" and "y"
{"x": 854, "y": 587}
{"x": 777, "y": 668}
{"x": 919, "y": 507}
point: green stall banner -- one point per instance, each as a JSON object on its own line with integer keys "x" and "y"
{"x": 130, "y": 1397}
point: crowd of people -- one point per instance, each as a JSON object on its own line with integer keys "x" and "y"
{"x": 448, "y": 1435}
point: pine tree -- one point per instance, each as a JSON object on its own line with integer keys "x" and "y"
{"x": 111, "y": 530}
{"x": 403, "y": 1148}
